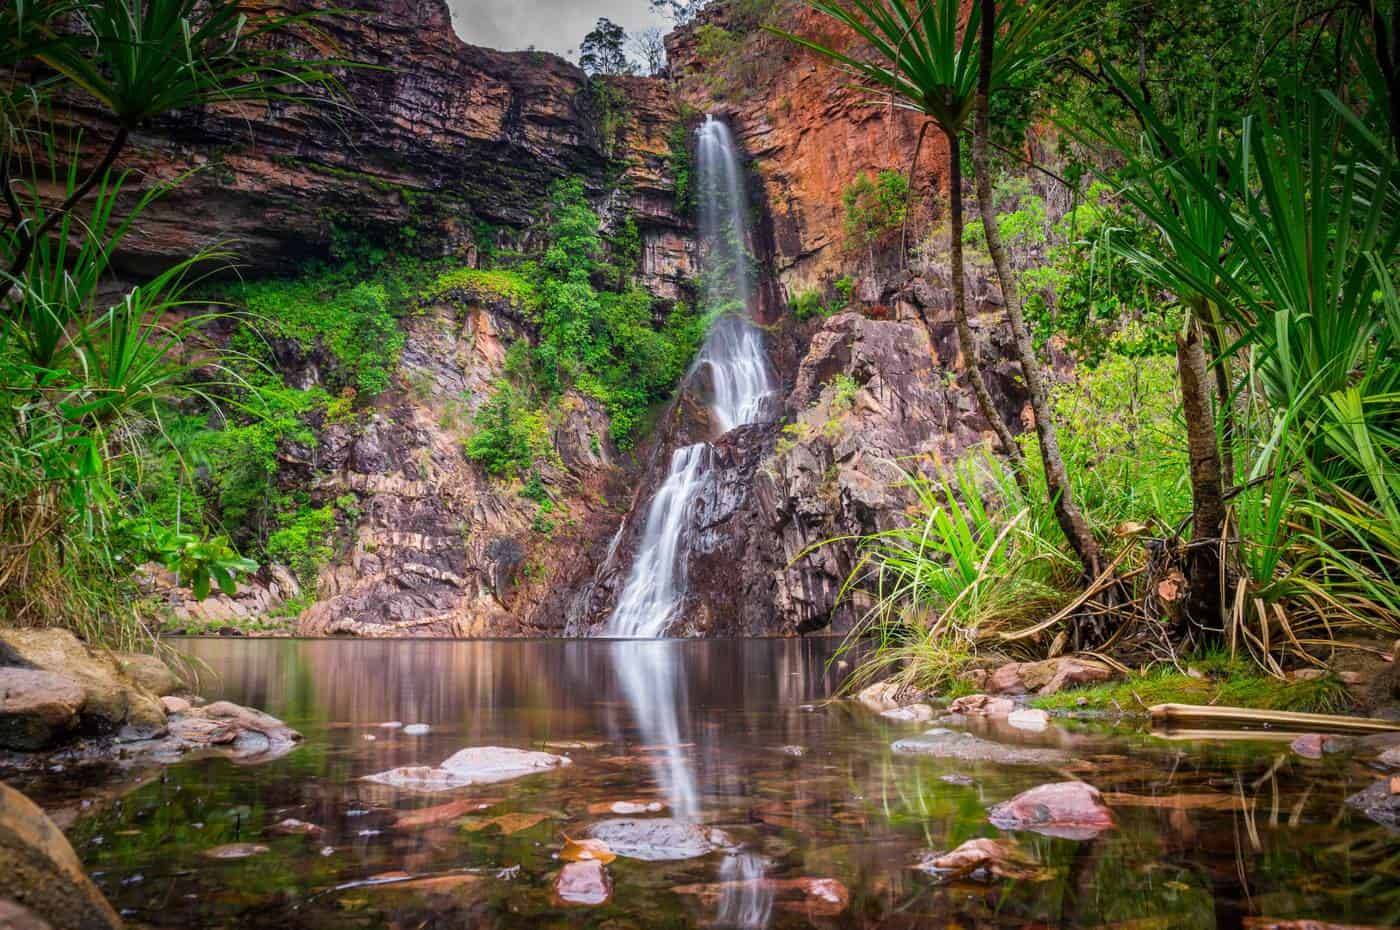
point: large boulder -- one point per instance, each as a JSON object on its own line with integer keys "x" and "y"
{"x": 43, "y": 879}
{"x": 150, "y": 672}
{"x": 37, "y": 708}
{"x": 112, "y": 702}
{"x": 244, "y": 734}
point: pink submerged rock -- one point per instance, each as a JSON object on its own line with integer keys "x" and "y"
{"x": 1070, "y": 810}
{"x": 584, "y": 883}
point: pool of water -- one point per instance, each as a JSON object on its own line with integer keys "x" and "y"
{"x": 735, "y": 736}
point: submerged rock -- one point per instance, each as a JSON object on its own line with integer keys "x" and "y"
{"x": 478, "y": 765}
{"x": 983, "y": 857}
{"x": 583, "y": 883}
{"x": 658, "y": 839}
{"x": 1380, "y": 802}
{"x": 881, "y": 697}
{"x": 942, "y": 743}
{"x": 235, "y": 851}
{"x": 293, "y": 827}
{"x": 1070, "y": 810}
{"x": 42, "y": 874}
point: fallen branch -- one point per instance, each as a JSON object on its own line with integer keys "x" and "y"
{"x": 1168, "y": 714}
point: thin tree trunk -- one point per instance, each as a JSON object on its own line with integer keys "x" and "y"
{"x": 1202, "y": 563}
{"x": 1067, "y": 513}
{"x": 971, "y": 357}
{"x": 1224, "y": 404}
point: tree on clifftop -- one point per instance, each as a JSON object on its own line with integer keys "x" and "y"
{"x": 602, "y": 50}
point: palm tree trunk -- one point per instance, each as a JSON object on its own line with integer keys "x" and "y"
{"x": 1067, "y": 513}
{"x": 971, "y": 357}
{"x": 1224, "y": 404}
{"x": 1202, "y": 563}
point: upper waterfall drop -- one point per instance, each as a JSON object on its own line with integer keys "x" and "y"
{"x": 738, "y": 376}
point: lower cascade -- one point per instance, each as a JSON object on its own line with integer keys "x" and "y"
{"x": 732, "y": 363}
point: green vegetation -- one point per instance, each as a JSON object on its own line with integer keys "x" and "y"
{"x": 1212, "y": 678}
{"x": 875, "y": 207}
{"x": 808, "y": 304}
{"x": 1223, "y": 471}
{"x": 88, "y": 369}
{"x": 601, "y": 343}
{"x": 514, "y": 287}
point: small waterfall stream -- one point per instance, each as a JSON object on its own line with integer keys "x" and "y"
{"x": 731, "y": 363}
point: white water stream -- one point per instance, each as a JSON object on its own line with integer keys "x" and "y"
{"x": 733, "y": 366}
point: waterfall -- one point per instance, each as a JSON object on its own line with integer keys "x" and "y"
{"x": 731, "y": 366}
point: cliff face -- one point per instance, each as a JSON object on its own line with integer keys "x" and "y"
{"x": 432, "y": 135}
{"x": 808, "y": 129}
{"x": 453, "y": 137}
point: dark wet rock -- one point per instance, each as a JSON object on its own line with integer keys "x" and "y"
{"x": 584, "y": 883}
{"x": 1047, "y": 676}
{"x": 942, "y": 743}
{"x": 1070, "y": 810}
{"x": 1380, "y": 802}
{"x": 42, "y": 874}
{"x": 112, "y": 702}
{"x": 984, "y": 858}
{"x": 657, "y": 839}
{"x": 812, "y": 897}
{"x": 235, "y": 851}
{"x": 37, "y": 708}
{"x": 478, "y": 765}
{"x": 981, "y": 705}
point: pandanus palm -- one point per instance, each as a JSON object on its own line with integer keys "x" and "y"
{"x": 931, "y": 59}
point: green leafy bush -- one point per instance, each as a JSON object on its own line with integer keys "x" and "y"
{"x": 875, "y": 207}
{"x": 303, "y": 542}
{"x": 510, "y": 436}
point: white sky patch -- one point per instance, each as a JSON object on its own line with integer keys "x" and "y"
{"x": 550, "y": 25}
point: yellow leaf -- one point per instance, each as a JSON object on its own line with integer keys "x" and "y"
{"x": 582, "y": 850}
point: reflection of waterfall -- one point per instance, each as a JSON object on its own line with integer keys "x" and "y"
{"x": 736, "y": 373}
{"x": 746, "y": 902}
{"x": 650, "y": 674}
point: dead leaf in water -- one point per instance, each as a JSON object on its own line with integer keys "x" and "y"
{"x": 586, "y": 850}
{"x": 507, "y": 823}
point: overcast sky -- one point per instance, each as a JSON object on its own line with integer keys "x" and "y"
{"x": 552, "y": 25}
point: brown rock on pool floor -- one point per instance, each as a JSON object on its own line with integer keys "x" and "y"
{"x": 583, "y": 883}
{"x": 1069, "y": 810}
{"x": 1000, "y": 858}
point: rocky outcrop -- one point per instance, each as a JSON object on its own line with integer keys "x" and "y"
{"x": 809, "y": 130}
{"x": 439, "y": 548}
{"x": 435, "y": 137}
